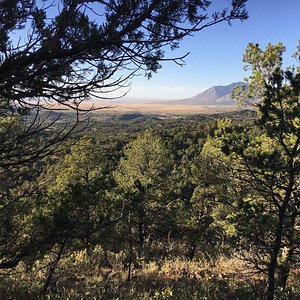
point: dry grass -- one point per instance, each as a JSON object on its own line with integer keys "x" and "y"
{"x": 156, "y": 108}
{"x": 82, "y": 277}
{"x": 104, "y": 276}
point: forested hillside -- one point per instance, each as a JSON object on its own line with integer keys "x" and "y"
{"x": 142, "y": 208}
{"x": 96, "y": 204}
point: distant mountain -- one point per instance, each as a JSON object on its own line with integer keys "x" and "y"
{"x": 216, "y": 95}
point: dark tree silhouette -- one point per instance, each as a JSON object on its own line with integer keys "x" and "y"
{"x": 66, "y": 50}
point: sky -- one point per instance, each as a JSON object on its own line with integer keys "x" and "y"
{"x": 216, "y": 53}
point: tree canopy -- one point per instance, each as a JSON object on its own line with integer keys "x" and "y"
{"x": 265, "y": 162}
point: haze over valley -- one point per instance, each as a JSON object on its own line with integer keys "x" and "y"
{"x": 216, "y": 99}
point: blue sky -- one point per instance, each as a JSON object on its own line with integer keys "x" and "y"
{"x": 216, "y": 53}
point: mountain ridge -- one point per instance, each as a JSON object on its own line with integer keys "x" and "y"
{"x": 216, "y": 95}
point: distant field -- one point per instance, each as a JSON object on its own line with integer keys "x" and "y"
{"x": 161, "y": 108}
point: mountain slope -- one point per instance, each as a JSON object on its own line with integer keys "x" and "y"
{"x": 216, "y": 95}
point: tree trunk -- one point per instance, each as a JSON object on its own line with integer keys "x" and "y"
{"x": 52, "y": 268}
{"x": 141, "y": 238}
{"x": 285, "y": 268}
{"x": 274, "y": 256}
{"x": 130, "y": 250}
{"x": 279, "y": 232}
{"x": 191, "y": 251}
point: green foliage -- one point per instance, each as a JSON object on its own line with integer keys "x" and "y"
{"x": 262, "y": 64}
{"x": 175, "y": 193}
{"x": 196, "y": 219}
{"x": 143, "y": 177}
{"x": 77, "y": 199}
{"x": 146, "y": 161}
{"x": 265, "y": 162}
